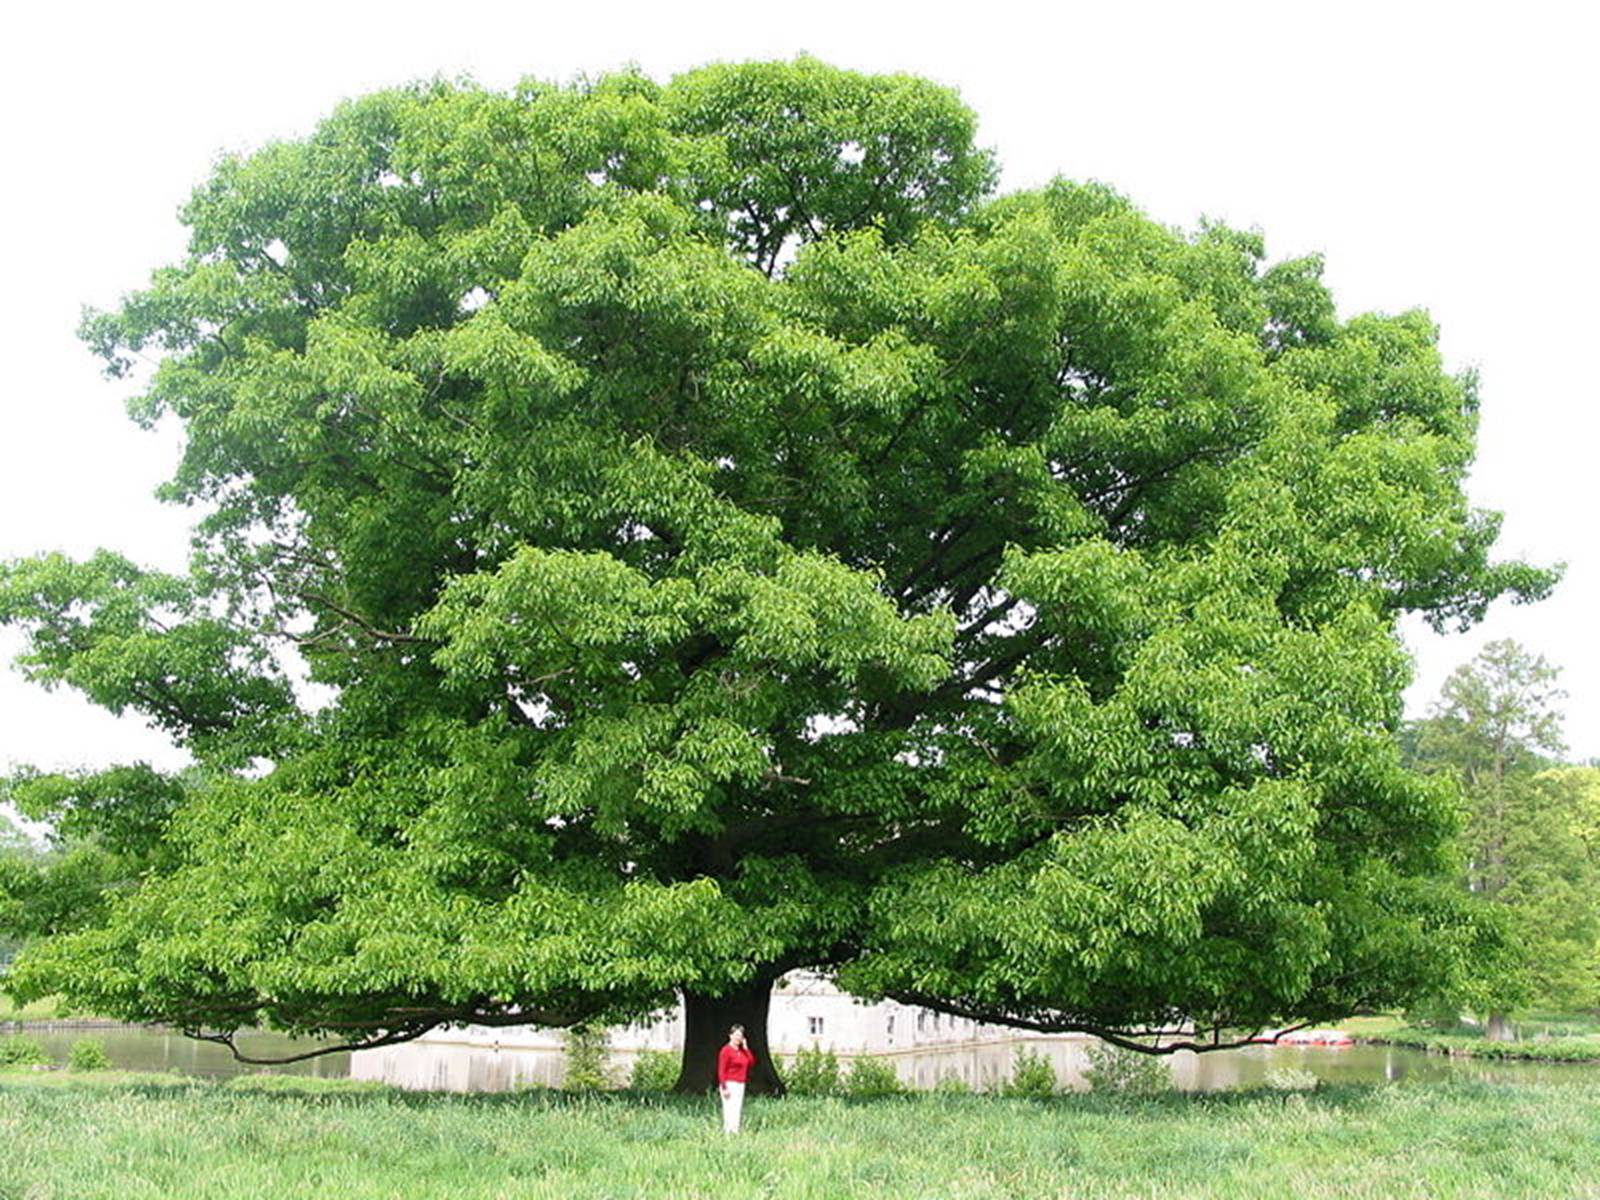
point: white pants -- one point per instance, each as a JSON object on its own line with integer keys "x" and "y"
{"x": 732, "y": 1106}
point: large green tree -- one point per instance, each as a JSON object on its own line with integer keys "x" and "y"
{"x": 732, "y": 540}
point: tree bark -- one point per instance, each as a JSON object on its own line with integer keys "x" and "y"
{"x": 706, "y": 1023}
{"x": 1499, "y": 1028}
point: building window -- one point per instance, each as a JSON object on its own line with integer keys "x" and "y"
{"x": 889, "y": 1026}
{"x": 814, "y": 1025}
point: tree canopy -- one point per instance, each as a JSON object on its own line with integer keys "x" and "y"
{"x": 730, "y": 537}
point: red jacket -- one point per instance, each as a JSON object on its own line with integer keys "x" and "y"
{"x": 733, "y": 1065}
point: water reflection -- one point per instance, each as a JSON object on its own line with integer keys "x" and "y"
{"x": 443, "y": 1066}
{"x": 466, "y": 1066}
{"x": 473, "y": 1066}
{"x": 139, "y": 1048}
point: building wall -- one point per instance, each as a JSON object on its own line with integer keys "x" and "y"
{"x": 807, "y": 1010}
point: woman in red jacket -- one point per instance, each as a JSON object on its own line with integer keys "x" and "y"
{"x": 733, "y": 1067}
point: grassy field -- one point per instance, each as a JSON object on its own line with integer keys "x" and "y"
{"x": 1370, "y": 1026}
{"x": 130, "y": 1136}
{"x": 1541, "y": 1037}
{"x": 1571, "y": 1049}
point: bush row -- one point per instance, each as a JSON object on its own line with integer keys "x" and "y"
{"x": 818, "y": 1072}
{"x": 20, "y": 1050}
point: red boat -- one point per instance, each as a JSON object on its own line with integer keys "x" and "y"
{"x": 1316, "y": 1037}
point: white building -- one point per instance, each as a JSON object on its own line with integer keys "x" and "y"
{"x": 806, "y": 1011}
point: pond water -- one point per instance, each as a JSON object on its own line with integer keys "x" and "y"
{"x": 447, "y": 1066}
{"x": 137, "y": 1048}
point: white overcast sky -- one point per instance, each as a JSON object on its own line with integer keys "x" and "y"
{"x": 1439, "y": 155}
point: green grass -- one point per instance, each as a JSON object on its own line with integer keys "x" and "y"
{"x": 120, "y": 1135}
{"x": 1370, "y": 1026}
{"x": 1555, "y": 1049}
{"x": 1542, "y": 1037}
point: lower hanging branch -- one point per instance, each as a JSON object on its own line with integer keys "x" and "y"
{"x": 406, "y": 1024}
{"x": 391, "y": 1038}
{"x": 1127, "y": 1039}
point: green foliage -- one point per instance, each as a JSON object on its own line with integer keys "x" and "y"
{"x": 17, "y": 851}
{"x": 813, "y": 1072}
{"x": 731, "y": 537}
{"x": 38, "y": 1010}
{"x": 58, "y": 889}
{"x": 654, "y": 1071}
{"x": 1531, "y": 842}
{"x": 809, "y": 146}
{"x": 1126, "y": 1072}
{"x": 88, "y": 1054}
{"x": 1438, "y": 1014}
{"x": 872, "y": 1078}
{"x": 20, "y": 1050}
{"x": 12, "y": 839}
{"x": 586, "y": 1060}
{"x": 1496, "y": 718}
{"x": 1032, "y": 1076}
{"x": 950, "y": 1083}
{"x": 128, "y": 638}
{"x": 105, "y": 830}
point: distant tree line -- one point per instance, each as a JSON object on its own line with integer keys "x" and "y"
{"x": 1530, "y": 830}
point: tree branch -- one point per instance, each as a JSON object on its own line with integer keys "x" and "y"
{"x": 359, "y": 621}
{"x": 413, "y": 1023}
{"x": 388, "y": 1039}
{"x": 1125, "y": 1038}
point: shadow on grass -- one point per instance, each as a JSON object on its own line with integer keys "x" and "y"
{"x": 313, "y": 1090}
{"x": 351, "y": 1091}
{"x": 1157, "y": 1107}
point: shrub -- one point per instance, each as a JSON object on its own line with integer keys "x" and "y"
{"x": 1032, "y": 1076}
{"x": 586, "y": 1059}
{"x": 951, "y": 1084}
{"x": 654, "y": 1071}
{"x": 88, "y": 1054}
{"x": 871, "y": 1078}
{"x": 1126, "y": 1072}
{"x": 814, "y": 1072}
{"x": 20, "y": 1050}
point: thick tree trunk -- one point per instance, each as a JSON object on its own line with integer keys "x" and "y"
{"x": 1499, "y": 1028}
{"x": 706, "y": 1023}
